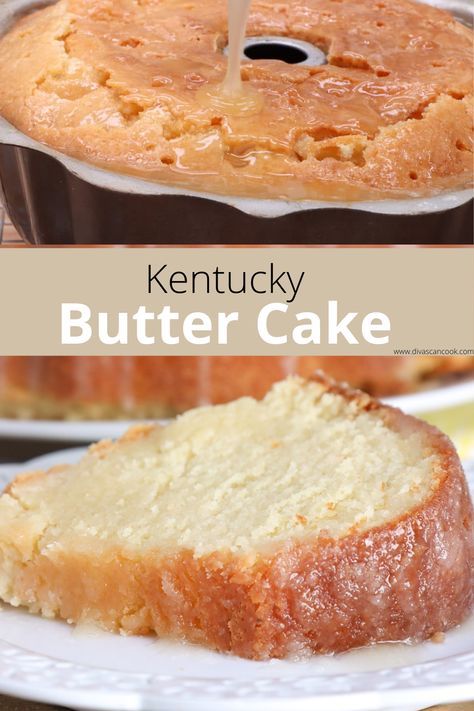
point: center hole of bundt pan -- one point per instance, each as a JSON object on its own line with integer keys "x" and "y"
{"x": 284, "y": 49}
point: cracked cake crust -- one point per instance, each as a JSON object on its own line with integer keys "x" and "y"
{"x": 116, "y": 84}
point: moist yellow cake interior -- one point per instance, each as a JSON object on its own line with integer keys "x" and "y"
{"x": 239, "y": 476}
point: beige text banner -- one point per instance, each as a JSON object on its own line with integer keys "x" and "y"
{"x": 237, "y": 301}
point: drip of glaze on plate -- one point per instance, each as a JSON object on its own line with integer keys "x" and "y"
{"x": 232, "y": 97}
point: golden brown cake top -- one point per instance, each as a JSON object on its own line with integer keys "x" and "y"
{"x": 117, "y": 83}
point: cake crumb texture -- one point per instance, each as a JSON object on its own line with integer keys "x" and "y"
{"x": 117, "y": 84}
{"x": 316, "y": 520}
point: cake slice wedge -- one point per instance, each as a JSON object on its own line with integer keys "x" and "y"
{"x": 313, "y": 521}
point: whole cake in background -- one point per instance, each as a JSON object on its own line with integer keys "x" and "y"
{"x": 117, "y": 83}
{"x": 97, "y": 387}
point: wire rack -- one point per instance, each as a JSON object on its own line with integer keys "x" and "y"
{"x": 8, "y": 234}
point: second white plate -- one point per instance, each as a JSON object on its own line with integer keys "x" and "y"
{"x": 82, "y": 432}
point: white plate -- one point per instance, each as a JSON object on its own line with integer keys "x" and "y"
{"x": 68, "y": 431}
{"x": 83, "y": 668}
{"x": 63, "y": 430}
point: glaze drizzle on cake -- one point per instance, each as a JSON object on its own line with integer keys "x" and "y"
{"x": 107, "y": 387}
{"x": 118, "y": 84}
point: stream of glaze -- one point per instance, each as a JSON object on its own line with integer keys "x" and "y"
{"x": 232, "y": 96}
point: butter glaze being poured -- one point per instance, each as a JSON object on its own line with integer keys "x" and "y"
{"x": 120, "y": 85}
{"x": 232, "y": 97}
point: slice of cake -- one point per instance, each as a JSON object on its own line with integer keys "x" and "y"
{"x": 314, "y": 520}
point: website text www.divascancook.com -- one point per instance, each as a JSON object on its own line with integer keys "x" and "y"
{"x": 433, "y": 351}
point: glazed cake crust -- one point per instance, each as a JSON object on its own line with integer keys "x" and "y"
{"x": 405, "y": 580}
{"x": 117, "y": 84}
{"x": 69, "y": 387}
